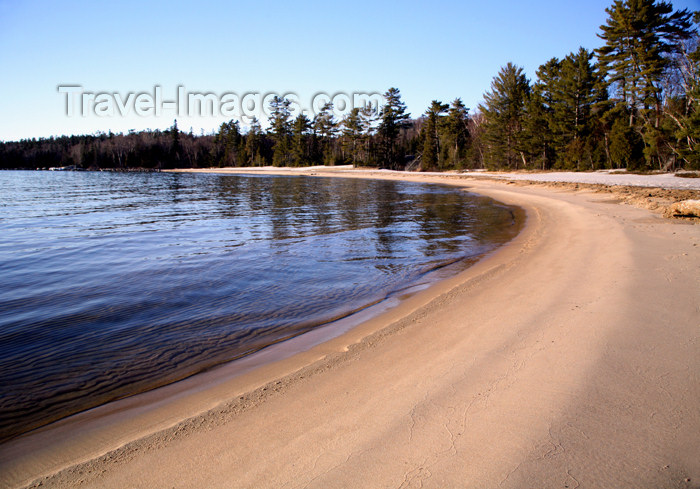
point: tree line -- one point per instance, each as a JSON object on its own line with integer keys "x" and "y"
{"x": 632, "y": 103}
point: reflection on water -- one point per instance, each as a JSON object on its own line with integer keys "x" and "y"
{"x": 116, "y": 283}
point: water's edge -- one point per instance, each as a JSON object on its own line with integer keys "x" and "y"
{"x": 303, "y": 339}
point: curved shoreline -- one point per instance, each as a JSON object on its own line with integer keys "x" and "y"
{"x": 433, "y": 393}
{"x": 155, "y": 368}
{"x": 140, "y": 416}
{"x": 146, "y": 407}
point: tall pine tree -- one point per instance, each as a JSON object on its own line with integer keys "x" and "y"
{"x": 685, "y": 119}
{"x": 430, "y": 135}
{"x": 573, "y": 102}
{"x": 254, "y": 144}
{"x": 352, "y": 135}
{"x": 638, "y": 35}
{"x": 457, "y": 137}
{"x": 280, "y": 130}
{"x": 394, "y": 118}
{"x": 300, "y": 140}
{"x": 326, "y": 127}
{"x": 504, "y": 115}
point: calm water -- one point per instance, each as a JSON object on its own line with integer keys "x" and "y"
{"x": 116, "y": 283}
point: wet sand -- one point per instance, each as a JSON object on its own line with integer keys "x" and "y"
{"x": 570, "y": 357}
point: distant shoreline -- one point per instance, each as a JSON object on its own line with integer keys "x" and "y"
{"x": 666, "y": 180}
{"x": 656, "y": 192}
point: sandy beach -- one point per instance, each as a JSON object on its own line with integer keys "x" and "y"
{"x": 567, "y": 358}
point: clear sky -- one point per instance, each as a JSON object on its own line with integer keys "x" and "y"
{"x": 429, "y": 50}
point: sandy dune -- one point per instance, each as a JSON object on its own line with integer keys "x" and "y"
{"x": 569, "y": 358}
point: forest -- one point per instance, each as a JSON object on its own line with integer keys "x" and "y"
{"x": 633, "y": 103}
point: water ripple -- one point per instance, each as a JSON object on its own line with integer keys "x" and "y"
{"x": 117, "y": 283}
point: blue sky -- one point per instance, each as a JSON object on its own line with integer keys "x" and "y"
{"x": 429, "y": 50}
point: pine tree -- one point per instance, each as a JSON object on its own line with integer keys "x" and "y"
{"x": 326, "y": 127}
{"x": 226, "y": 147}
{"x": 626, "y": 145}
{"x": 352, "y": 134}
{"x": 573, "y": 103}
{"x": 254, "y": 143}
{"x": 457, "y": 137}
{"x": 504, "y": 113}
{"x": 560, "y": 127}
{"x": 300, "y": 146}
{"x": 638, "y": 35}
{"x": 394, "y": 118}
{"x": 175, "y": 144}
{"x": 687, "y": 122}
{"x": 537, "y": 136}
{"x": 539, "y": 140}
{"x": 368, "y": 119}
{"x": 280, "y": 130}
{"x": 233, "y": 139}
{"x": 430, "y": 136}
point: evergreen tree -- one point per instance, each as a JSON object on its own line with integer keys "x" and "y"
{"x": 638, "y": 35}
{"x": 352, "y": 135}
{"x": 626, "y": 145}
{"x": 175, "y": 147}
{"x": 573, "y": 103}
{"x": 300, "y": 144}
{"x": 254, "y": 144}
{"x": 326, "y": 128}
{"x": 560, "y": 125}
{"x": 602, "y": 118}
{"x": 226, "y": 148}
{"x": 280, "y": 130}
{"x": 539, "y": 139}
{"x": 686, "y": 123}
{"x": 430, "y": 136}
{"x": 393, "y": 118}
{"x": 368, "y": 119}
{"x": 504, "y": 113}
{"x": 537, "y": 136}
{"x": 457, "y": 137}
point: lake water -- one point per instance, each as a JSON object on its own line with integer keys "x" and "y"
{"x": 113, "y": 283}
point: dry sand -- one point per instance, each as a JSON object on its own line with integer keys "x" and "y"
{"x": 568, "y": 358}
{"x": 606, "y": 177}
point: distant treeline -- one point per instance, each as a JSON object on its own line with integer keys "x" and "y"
{"x": 633, "y": 103}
